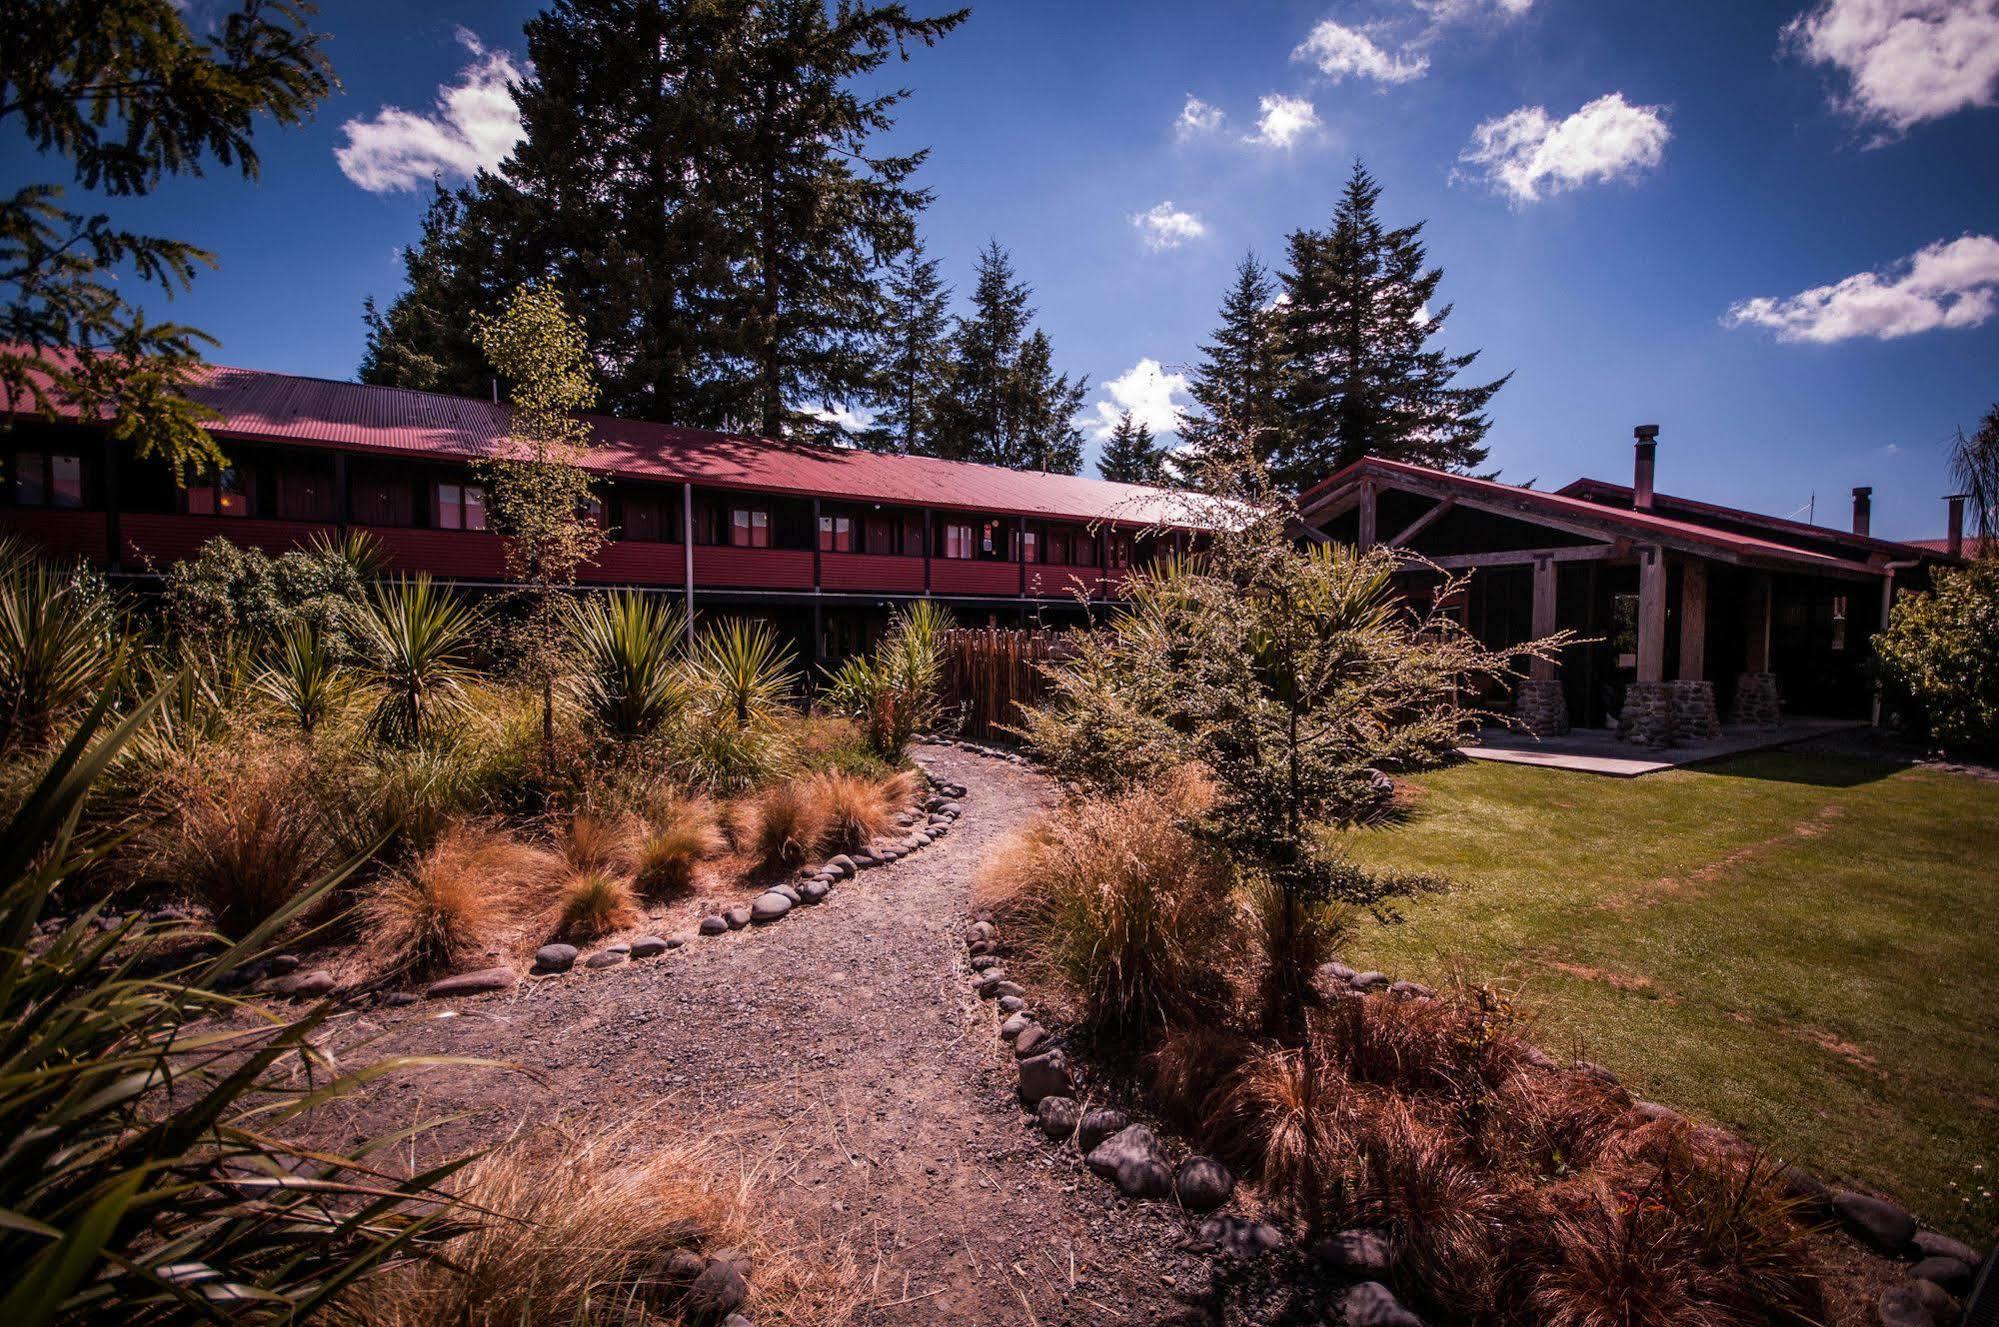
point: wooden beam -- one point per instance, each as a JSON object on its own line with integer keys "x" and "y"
{"x": 687, "y": 552}
{"x": 1652, "y": 614}
{"x": 1546, "y": 571}
{"x": 1521, "y": 557}
{"x": 1423, "y": 522}
{"x": 1757, "y": 605}
{"x": 1369, "y": 509}
{"x": 1693, "y": 620}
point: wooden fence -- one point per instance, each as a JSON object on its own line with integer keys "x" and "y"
{"x": 991, "y": 675}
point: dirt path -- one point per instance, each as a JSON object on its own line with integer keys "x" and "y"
{"x": 844, "y": 1048}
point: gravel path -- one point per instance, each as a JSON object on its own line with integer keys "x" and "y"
{"x": 845, "y": 1049}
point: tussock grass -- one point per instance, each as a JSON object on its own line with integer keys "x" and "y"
{"x": 596, "y": 902}
{"x": 1119, "y": 901}
{"x": 581, "y": 1235}
{"x": 448, "y": 904}
{"x": 786, "y": 824}
{"x": 669, "y": 838}
{"x": 856, "y": 807}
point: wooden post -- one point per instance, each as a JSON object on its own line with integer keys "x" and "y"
{"x": 1020, "y": 556}
{"x": 815, "y": 550}
{"x": 343, "y": 498}
{"x": 113, "y": 545}
{"x": 818, "y": 631}
{"x": 1756, "y": 653}
{"x": 1367, "y": 514}
{"x": 926, "y": 550}
{"x": 1693, "y": 620}
{"x": 1545, "y": 570}
{"x": 687, "y": 552}
{"x": 1651, "y": 614}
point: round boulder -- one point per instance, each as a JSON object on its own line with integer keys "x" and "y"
{"x": 1932, "y": 1245}
{"x": 738, "y": 917}
{"x": 1015, "y": 1025}
{"x": 1899, "y": 1306}
{"x": 1133, "y": 1160}
{"x": 471, "y": 983}
{"x": 1058, "y": 1116}
{"x": 555, "y": 958}
{"x": 1372, "y": 1304}
{"x": 648, "y": 946}
{"x": 609, "y": 958}
{"x": 713, "y": 924}
{"x": 813, "y": 891}
{"x": 1097, "y": 1125}
{"x": 1875, "y": 1222}
{"x": 769, "y": 908}
{"x": 1045, "y": 1076}
{"x": 1202, "y": 1184}
{"x": 1363, "y": 1253}
{"x": 1950, "y": 1273}
{"x": 1237, "y": 1236}
{"x": 719, "y": 1291}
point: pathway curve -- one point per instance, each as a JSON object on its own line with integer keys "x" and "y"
{"x": 847, "y": 1038}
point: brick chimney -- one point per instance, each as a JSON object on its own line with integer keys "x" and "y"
{"x": 1643, "y": 462}
{"x": 1863, "y": 508}
{"x": 1954, "y": 524}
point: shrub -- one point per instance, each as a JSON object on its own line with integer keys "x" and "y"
{"x": 596, "y": 903}
{"x": 856, "y": 809}
{"x": 722, "y": 758}
{"x": 786, "y": 824}
{"x": 225, "y": 590}
{"x": 742, "y": 674}
{"x": 894, "y": 692}
{"x": 443, "y": 909}
{"x": 304, "y": 678}
{"x": 669, "y": 838}
{"x": 57, "y": 647}
{"x": 828, "y": 741}
{"x": 126, "y": 1203}
{"x": 1124, "y": 905}
{"x": 417, "y": 643}
{"x": 245, "y": 833}
{"x": 628, "y": 678}
{"x": 1942, "y": 650}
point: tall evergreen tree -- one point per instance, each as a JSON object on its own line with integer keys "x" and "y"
{"x": 423, "y": 340}
{"x": 699, "y": 177}
{"x": 915, "y": 355}
{"x": 1359, "y": 376}
{"x": 1007, "y": 405}
{"x": 1236, "y": 386}
{"x": 1130, "y": 454}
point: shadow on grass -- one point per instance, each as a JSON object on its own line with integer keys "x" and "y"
{"x": 1811, "y": 768}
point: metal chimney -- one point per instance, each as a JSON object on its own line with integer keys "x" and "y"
{"x": 1954, "y": 525}
{"x": 1643, "y": 463}
{"x": 1863, "y": 508}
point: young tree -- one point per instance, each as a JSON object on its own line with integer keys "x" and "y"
{"x": 1235, "y": 386}
{"x": 1131, "y": 456}
{"x": 1007, "y": 406}
{"x": 703, "y": 178}
{"x": 1974, "y": 467}
{"x": 130, "y": 95}
{"x": 538, "y": 490}
{"x": 1358, "y": 375}
{"x": 915, "y": 359}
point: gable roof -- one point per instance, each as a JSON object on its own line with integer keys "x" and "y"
{"x": 1782, "y": 528}
{"x": 259, "y": 406}
{"x": 1681, "y": 530}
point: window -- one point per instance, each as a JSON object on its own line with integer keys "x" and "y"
{"x": 1059, "y": 548}
{"x": 989, "y": 539}
{"x": 1839, "y": 622}
{"x": 224, "y": 492}
{"x": 44, "y": 479}
{"x": 1120, "y": 551}
{"x": 461, "y": 507}
{"x": 881, "y": 533}
{"x": 957, "y": 541}
{"x": 1083, "y": 549}
{"x": 836, "y": 534}
{"x": 749, "y": 527}
{"x": 1026, "y": 545}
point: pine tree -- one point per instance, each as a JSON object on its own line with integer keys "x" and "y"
{"x": 1236, "y": 385}
{"x": 915, "y": 359}
{"x": 1359, "y": 378}
{"x": 1007, "y": 406}
{"x": 1130, "y": 454}
{"x": 423, "y": 340}
{"x": 697, "y": 176}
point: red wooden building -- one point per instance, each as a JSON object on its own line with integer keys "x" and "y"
{"x": 822, "y": 540}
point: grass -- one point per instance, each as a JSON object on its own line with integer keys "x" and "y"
{"x": 443, "y": 909}
{"x": 1796, "y": 946}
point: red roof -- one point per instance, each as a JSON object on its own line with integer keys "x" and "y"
{"x": 1595, "y": 489}
{"x": 258, "y": 406}
{"x": 1561, "y": 504}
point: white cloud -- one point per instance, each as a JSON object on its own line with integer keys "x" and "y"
{"x": 1528, "y": 154}
{"x": 1453, "y": 11}
{"x": 474, "y": 123}
{"x": 1342, "y": 52}
{"x": 1284, "y": 120}
{"x": 1197, "y": 117}
{"x": 1906, "y": 61}
{"x": 851, "y": 419}
{"x": 1167, "y": 227}
{"x": 1949, "y": 284}
{"x": 1148, "y": 391}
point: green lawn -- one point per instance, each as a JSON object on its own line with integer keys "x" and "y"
{"x": 1804, "y": 948}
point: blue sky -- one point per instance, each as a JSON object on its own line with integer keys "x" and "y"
{"x": 1604, "y": 185}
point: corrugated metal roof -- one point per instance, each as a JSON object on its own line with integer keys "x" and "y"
{"x": 1558, "y": 505}
{"x": 255, "y": 405}
{"x": 1597, "y": 489}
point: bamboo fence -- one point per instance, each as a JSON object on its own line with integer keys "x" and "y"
{"x": 991, "y": 676}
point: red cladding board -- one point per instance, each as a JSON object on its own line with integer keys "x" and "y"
{"x": 870, "y": 571}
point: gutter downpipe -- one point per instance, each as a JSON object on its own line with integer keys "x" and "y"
{"x": 1888, "y": 571}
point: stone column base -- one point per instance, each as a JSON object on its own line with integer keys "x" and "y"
{"x": 1647, "y": 716}
{"x": 1757, "y": 701}
{"x": 1541, "y": 707}
{"x": 1695, "y": 718}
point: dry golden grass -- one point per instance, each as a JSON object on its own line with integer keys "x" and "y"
{"x": 856, "y": 809}
{"x": 903, "y": 787}
{"x": 244, "y": 832}
{"x": 445, "y": 907}
{"x": 594, "y": 842}
{"x": 596, "y": 903}
{"x": 581, "y": 1235}
{"x": 669, "y": 837}
{"x": 786, "y": 825}
{"x": 1116, "y": 901}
